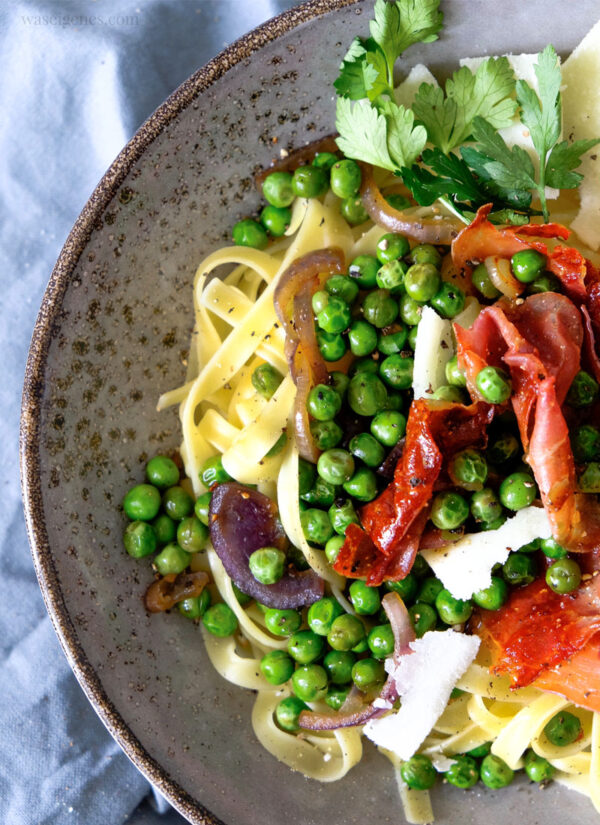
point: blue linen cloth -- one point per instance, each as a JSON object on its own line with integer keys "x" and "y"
{"x": 77, "y": 79}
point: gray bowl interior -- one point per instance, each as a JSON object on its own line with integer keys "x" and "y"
{"x": 113, "y": 334}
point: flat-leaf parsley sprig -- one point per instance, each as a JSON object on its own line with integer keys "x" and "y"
{"x": 471, "y": 109}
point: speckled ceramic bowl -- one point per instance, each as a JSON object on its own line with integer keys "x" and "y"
{"x": 112, "y": 334}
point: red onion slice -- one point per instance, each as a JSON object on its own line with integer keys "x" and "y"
{"x": 164, "y": 593}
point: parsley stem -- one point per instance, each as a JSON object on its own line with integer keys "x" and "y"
{"x": 452, "y": 208}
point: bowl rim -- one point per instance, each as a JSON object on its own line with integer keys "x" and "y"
{"x": 33, "y": 386}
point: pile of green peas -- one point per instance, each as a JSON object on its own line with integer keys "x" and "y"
{"x": 167, "y": 524}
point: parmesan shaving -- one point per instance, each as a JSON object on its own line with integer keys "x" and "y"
{"x": 433, "y": 349}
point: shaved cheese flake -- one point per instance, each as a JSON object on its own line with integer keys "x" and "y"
{"x": 446, "y": 654}
{"x": 433, "y": 350}
{"x": 467, "y": 317}
{"x": 466, "y": 565}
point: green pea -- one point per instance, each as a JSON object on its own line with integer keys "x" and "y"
{"x": 481, "y": 281}
{"x": 363, "y": 270}
{"x": 589, "y": 480}
{"x": 518, "y": 490}
{"x": 335, "y": 466}
{"x": 195, "y": 607}
{"x": 547, "y": 282}
{"x": 448, "y": 393}
{"x": 420, "y": 568}
{"x": 366, "y": 447}
{"x": 410, "y": 310}
{"x": 368, "y": 674}
{"x": 338, "y": 664}
{"x": 333, "y": 547}
{"x": 563, "y": 729}
{"x": 449, "y": 510}
{"x": 423, "y": 618}
{"x": 321, "y": 615}
{"x": 202, "y": 507}
{"x": 381, "y": 641}
{"x": 395, "y": 402}
{"x": 364, "y": 365}
{"x": 455, "y": 376}
{"x": 342, "y": 286}
{"x": 429, "y": 589}
{"x": 316, "y": 525}
{"x": 365, "y": 600}
{"x": 345, "y": 178}
{"x": 321, "y": 494}
{"x": 449, "y": 300}
{"x": 267, "y": 564}
{"x": 451, "y": 610}
{"x": 162, "y": 472}
{"x": 492, "y": 597}
{"x": 250, "y": 233}
{"x": 336, "y": 696}
{"x": 142, "y": 503}
{"x": 379, "y": 308}
{"x": 266, "y": 379}
{"x": 319, "y": 300}
{"x": 494, "y": 385}
{"x": 171, "y": 559}
{"x": 346, "y": 632}
{"x": 309, "y": 182}
{"x": 537, "y": 768}
{"x": 564, "y": 576}
{"x": 287, "y": 713}
{"x": 552, "y": 549}
{"x": 276, "y": 220}
{"x": 362, "y": 338}
{"x": 177, "y": 503}
{"x": 527, "y": 265}
{"x": 353, "y": 211}
{"x": 325, "y": 160}
{"x": 213, "y": 472}
{"x": 388, "y": 427}
{"x": 520, "y": 568}
{"x": 331, "y": 345}
{"x": 418, "y": 772}
{"x": 324, "y": 403}
{"x": 585, "y": 441}
{"x": 485, "y": 505}
{"x": 406, "y": 588}
{"x": 165, "y": 528}
{"x": 391, "y": 246}
{"x": 363, "y": 485}
{"x": 391, "y": 277}
{"x": 393, "y": 342}
{"x": 531, "y": 547}
{"x": 397, "y": 371}
{"x": 277, "y": 667}
{"x": 495, "y": 773}
{"x": 242, "y": 598}
{"x": 307, "y": 474}
{"x": 192, "y": 535}
{"x": 326, "y": 434}
{"x": 339, "y": 382}
{"x": 503, "y": 450}
{"x": 397, "y": 201}
{"x": 140, "y": 539}
{"x": 425, "y": 253}
{"x": 463, "y": 773}
{"x": 493, "y": 525}
{"x": 583, "y": 391}
{"x": 469, "y": 469}
{"x": 341, "y": 514}
{"x": 277, "y": 189}
{"x": 282, "y": 622}
{"x": 367, "y": 395}
{"x": 422, "y": 281}
{"x": 220, "y": 620}
{"x": 335, "y": 317}
{"x": 411, "y": 340}
{"x": 305, "y": 646}
{"x": 480, "y": 751}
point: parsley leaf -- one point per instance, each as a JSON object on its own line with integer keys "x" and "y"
{"x": 563, "y": 158}
{"x": 363, "y": 72}
{"x": 453, "y": 178}
{"x": 386, "y": 137}
{"x": 449, "y": 117}
{"x": 403, "y": 23}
